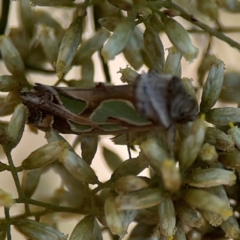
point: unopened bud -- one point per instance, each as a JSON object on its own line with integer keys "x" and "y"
{"x": 143, "y": 198}
{"x": 109, "y": 23}
{"x": 189, "y": 216}
{"x": 209, "y": 8}
{"x": 118, "y": 40}
{"x": 180, "y": 38}
{"x": 90, "y": 46}
{"x": 114, "y": 216}
{"x": 230, "y": 159}
{"x": 167, "y": 217}
{"x": 11, "y": 57}
{"x": 154, "y": 48}
{"x": 77, "y": 166}
{"x": 231, "y": 227}
{"x": 44, "y": 155}
{"x": 207, "y": 201}
{"x": 16, "y": 125}
{"x": 213, "y": 86}
{"x": 129, "y": 183}
{"x": 222, "y": 116}
{"x": 192, "y": 144}
{"x": 210, "y": 177}
{"x": 68, "y": 47}
{"x": 37, "y": 230}
{"x": 87, "y": 228}
{"x": 30, "y": 181}
{"x": 5, "y": 199}
{"x": 234, "y": 133}
{"x": 172, "y": 65}
{"x": 8, "y": 83}
{"x": 219, "y": 139}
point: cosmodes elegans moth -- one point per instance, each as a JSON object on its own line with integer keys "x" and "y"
{"x": 155, "y": 100}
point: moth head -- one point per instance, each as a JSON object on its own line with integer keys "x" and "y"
{"x": 183, "y": 108}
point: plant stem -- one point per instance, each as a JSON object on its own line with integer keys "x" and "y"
{"x": 7, "y": 223}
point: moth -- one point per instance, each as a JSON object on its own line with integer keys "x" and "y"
{"x": 155, "y": 100}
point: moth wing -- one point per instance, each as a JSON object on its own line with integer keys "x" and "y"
{"x": 151, "y": 94}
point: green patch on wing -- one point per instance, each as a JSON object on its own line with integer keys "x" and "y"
{"x": 73, "y": 105}
{"x": 111, "y": 127}
{"x": 118, "y": 109}
{"x": 78, "y": 128}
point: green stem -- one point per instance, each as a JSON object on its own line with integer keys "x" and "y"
{"x": 203, "y": 26}
{"x": 7, "y": 223}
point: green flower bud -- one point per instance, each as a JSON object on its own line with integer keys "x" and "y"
{"x": 219, "y": 139}
{"x": 37, "y": 230}
{"x": 16, "y": 125}
{"x": 143, "y": 198}
{"x": 167, "y": 217}
{"x": 208, "y": 153}
{"x": 5, "y": 199}
{"x": 118, "y": 40}
{"x": 11, "y": 57}
{"x": 179, "y": 37}
{"x": 8, "y": 83}
{"x": 77, "y": 166}
{"x": 230, "y": 227}
{"x": 172, "y": 65}
{"x": 210, "y": 177}
{"x": 212, "y": 87}
{"x": 128, "y": 75}
{"x": 68, "y": 47}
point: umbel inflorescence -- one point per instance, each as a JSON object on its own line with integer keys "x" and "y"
{"x": 190, "y": 147}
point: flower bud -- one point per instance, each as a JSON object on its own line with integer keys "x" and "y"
{"x": 77, "y": 166}
{"x": 109, "y": 23}
{"x": 128, "y": 75}
{"x": 114, "y": 216}
{"x": 172, "y": 65}
{"x": 189, "y": 216}
{"x": 68, "y": 47}
{"x": 230, "y": 88}
{"x": 118, "y": 40}
{"x": 129, "y": 183}
{"x": 87, "y": 228}
{"x": 180, "y": 233}
{"x": 230, "y": 227}
{"x": 207, "y": 201}
{"x": 208, "y": 153}
{"x": 133, "y": 50}
{"x": 30, "y": 181}
{"x": 87, "y": 74}
{"x": 179, "y": 37}
{"x": 167, "y": 217}
{"x": 5, "y": 199}
{"x": 210, "y": 177}
{"x": 209, "y": 8}
{"x": 27, "y": 16}
{"x": 143, "y": 198}
{"x": 187, "y": 82}
{"x": 89, "y": 146}
{"x": 8, "y": 104}
{"x": 44, "y": 155}
{"x": 219, "y": 139}
{"x": 49, "y": 42}
{"x": 234, "y": 133}
{"x": 16, "y": 125}
{"x": 154, "y": 48}
{"x": 192, "y": 144}
{"x": 8, "y": 83}
{"x": 37, "y": 230}
{"x": 222, "y": 116}
{"x": 131, "y": 166}
{"x": 213, "y": 219}
{"x": 212, "y": 87}
{"x": 90, "y": 46}
{"x": 230, "y": 159}
{"x": 11, "y": 57}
